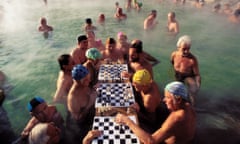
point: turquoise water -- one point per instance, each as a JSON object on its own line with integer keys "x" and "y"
{"x": 30, "y": 61}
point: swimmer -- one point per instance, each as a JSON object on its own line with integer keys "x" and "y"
{"x": 128, "y": 5}
{"x": 227, "y": 10}
{"x": 101, "y": 19}
{"x": 78, "y": 53}
{"x": 123, "y": 45}
{"x": 150, "y": 22}
{"x": 88, "y": 26}
{"x": 81, "y": 100}
{"x": 92, "y": 64}
{"x": 186, "y": 68}
{"x": 137, "y": 5}
{"x": 173, "y": 25}
{"x": 119, "y": 15}
{"x": 41, "y": 112}
{"x": 180, "y": 125}
{"x": 44, "y": 27}
{"x": 64, "y": 81}
{"x": 111, "y": 53}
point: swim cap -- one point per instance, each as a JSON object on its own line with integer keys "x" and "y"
{"x": 121, "y": 34}
{"x": 79, "y": 72}
{"x": 34, "y": 103}
{"x": 186, "y": 39}
{"x": 142, "y": 77}
{"x": 93, "y": 53}
{"x": 178, "y": 89}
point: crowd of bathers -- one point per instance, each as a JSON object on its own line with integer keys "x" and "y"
{"x": 164, "y": 114}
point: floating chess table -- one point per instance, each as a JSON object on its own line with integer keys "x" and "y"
{"x": 111, "y": 73}
{"x": 113, "y": 133}
{"x": 114, "y": 95}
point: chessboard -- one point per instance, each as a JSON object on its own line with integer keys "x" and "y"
{"x": 114, "y": 95}
{"x": 111, "y": 73}
{"x": 113, "y": 133}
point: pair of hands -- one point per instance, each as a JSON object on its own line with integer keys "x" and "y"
{"x": 120, "y": 118}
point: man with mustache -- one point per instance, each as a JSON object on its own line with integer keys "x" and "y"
{"x": 185, "y": 65}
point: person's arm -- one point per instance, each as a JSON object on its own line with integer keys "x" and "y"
{"x": 167, "y": 128}
{"x": 50, "y": 28}
{"x": 32, "y": 122}
{"x": 150, "y": 58}
{"x": 196, "y": 72}
{"x": 60, "y": 92}
{"x": 177, "y": 28}
{"x": 172, "y": 58}
{"x": 144, "y": 137}
{"x": 91, "y": 135}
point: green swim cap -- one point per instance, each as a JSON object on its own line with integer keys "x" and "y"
{"x": 93, "y": 53}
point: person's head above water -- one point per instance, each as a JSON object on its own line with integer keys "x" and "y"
{"x": 33, "y": 103}
{"x": 93, "y": 53}
{"x": 184, "y": 39}
{"x": 79, "y": 72}
{"x": 177, "y": 89}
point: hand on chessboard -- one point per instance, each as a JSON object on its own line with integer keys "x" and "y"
{"x": 135, "y": 106}
{"x": 91, "y": 135}
{"x": 125, "y": 74}
{"x": 122, "y": 119}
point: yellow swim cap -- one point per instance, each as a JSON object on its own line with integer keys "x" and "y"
{"x": 142, "y": 77}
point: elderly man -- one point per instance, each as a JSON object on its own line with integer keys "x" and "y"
{"x": 42, "y": 113}
{"x": 180, "y": 125}
{"x": 185, "y": 65}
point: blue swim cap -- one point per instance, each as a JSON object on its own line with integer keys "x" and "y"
{"x": 93, "y": 53}
{"x": 178, "y": 89}
{"x": 79, "y": 72}
{"x": 34, "y": 103}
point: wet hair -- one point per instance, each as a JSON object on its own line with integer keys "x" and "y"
{"x": 154, "y": 11}
{"x": 88, "y": 20}
{"x": 63, "y": 60}
{"x": 110, "y": 41}
{"x": 101, "y": 16}
{"x": 82, "y": 38}
{"x": 43, "y": 20}
{"x": 217, "y": 6}
{"x": 137, "y": 44}
{"x": 173, "y": 14}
